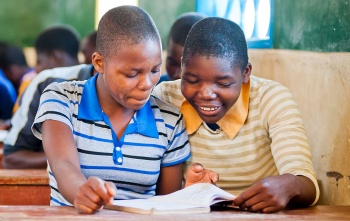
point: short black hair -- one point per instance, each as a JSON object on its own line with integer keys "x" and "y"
{"x": 11, "y": 55}
{"x": 91, "y": 38}
{"x": 63, "y": 38}
{"x": 124, "y": 25}
{"x": 182, "y": 26}
{"x": 217, "y": 37}
{"x": 3, "y": 48}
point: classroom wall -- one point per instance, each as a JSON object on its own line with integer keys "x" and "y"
{"x": 21, "y": 21}
{"x": 312, "y": 25}
{"x": 164, "y": 13}
{"x": 311, "y": 57}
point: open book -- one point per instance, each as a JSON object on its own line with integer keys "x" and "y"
{"x": 196, "y": 198}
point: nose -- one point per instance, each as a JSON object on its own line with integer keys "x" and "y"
{"x": 177, "y": 74}
{"x": 207, "y": 93}
{"x": 147, "y": 82}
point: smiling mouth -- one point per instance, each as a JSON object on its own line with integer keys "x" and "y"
{"x": 209, "y": 108}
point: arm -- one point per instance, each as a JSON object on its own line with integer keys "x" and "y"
{"x": 273, "y": 194}
{"x": 296, "y": 184}
{"x": 88, "y": 196}
{"x": 170, "y": 179}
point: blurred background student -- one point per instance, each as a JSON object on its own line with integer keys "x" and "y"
{"x": 88, "y": 46}
{"x": 56, "y": 46}
{"x": 13, "y": 67}
{"x": 175, "y": 44}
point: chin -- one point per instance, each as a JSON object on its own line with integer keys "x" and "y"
{"x": 136, "y": 106}
{"x": 210, "y": 120}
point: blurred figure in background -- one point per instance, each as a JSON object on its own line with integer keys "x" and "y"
{"x": 56, "y": 46}
{"x": 88, "y": 47}
{"x": 7, "y": 93}
{"x": 14, "y": 65}
{"x": 175, "y": 44}
{"x": 8, "y": 98}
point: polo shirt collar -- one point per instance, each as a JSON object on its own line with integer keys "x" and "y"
{"x": 231, "y": 123}
{"x": 89, "y": 109}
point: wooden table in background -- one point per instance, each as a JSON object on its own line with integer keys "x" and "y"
{"x": 70, "y": 213}
{"x": 24, "y": 187}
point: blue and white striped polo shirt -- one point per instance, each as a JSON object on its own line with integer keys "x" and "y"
{"x": 154, "y": 138}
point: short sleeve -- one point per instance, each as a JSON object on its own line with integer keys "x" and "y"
{"x": 178, "y": 149}
{"x": 54, "y": 105}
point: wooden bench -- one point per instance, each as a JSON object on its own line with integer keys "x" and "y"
{"x": 24, "y": 187}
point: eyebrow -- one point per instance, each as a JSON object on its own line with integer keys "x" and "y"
{"x": 138, "y": 69}
{"x": 224, "y": 77}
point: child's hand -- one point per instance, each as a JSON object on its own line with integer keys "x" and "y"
{"x": 93, "y": 195}
{"x": 268, "y": 195}
{"x": 196, "y": 173}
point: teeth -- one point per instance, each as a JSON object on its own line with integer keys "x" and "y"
{"x": 208, "y": 108}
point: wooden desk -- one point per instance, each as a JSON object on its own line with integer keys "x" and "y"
{"x": 69, "y": 213}
{"x": 24, "y": 187}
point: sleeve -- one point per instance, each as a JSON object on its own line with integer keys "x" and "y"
{"x": 54, "y": 105}
{"x": 289, "y": 144}
{"x": 178, "y": 149}
{"x": 6, "y": 103}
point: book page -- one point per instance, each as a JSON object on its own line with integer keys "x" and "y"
{"x": 145, "y": 204}
{"x": 201, "y": 194}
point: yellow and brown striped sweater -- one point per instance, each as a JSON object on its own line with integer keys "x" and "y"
{"x": 261, "y": 135}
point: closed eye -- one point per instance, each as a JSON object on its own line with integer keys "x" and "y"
{"x": 225, "y": 84}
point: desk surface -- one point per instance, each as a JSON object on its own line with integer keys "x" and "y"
{"x": 24, "y": 177}
{"x": 69, "y": 213}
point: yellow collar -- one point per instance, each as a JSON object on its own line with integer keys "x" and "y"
{"x": 231, "y": 123}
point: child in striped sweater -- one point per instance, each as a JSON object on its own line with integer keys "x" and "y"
{"x": 246, "y": 129}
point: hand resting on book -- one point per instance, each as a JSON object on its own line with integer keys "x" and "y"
{"x": 196, "y": 173}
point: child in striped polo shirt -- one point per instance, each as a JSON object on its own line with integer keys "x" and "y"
{"x": 247, "y": 129}
{"x": 106, "y": 138}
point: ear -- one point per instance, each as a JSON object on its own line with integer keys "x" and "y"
{"x": 246, "y": 73}
{"x": 58, "y": 57}
{"x": 97, "y": 61}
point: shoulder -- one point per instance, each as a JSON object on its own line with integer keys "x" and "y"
{"x": 169, "y": 91}
{"x": 170, "y": 85}
{"x": 69, "y": 88}
{"x": 263, "y": 88}
{"x": 57, "y": 75}
{"x": 167, "y": 110}
{"x": 162, "y": 105}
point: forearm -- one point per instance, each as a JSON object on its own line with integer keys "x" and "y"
{"x": 306, "y": 192}
{"x": 68, "y": 183}
{"x": 25, "y": 159}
